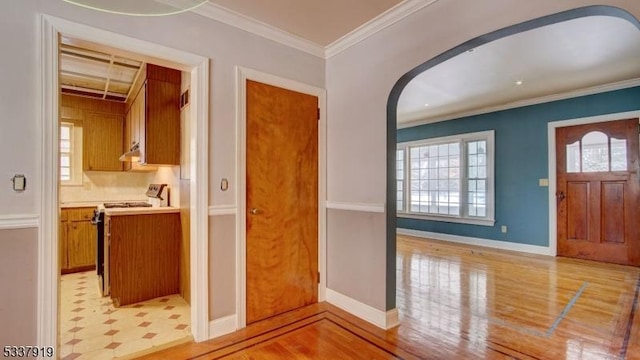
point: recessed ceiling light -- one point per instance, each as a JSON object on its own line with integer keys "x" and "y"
{"x": 519, "y": 82}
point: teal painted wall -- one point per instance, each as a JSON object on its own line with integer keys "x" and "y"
{"x": 521, "y": 160}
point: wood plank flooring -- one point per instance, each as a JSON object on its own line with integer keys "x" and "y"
{"x": 461, "y": 302}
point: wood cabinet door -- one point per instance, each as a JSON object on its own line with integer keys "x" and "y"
{"x": 162, "y": 127}
{"x": 62, "y": 248}
{"x": 102, "y": 142}
{"x": 128, "y": 139}
{"x": 81, "y": 244}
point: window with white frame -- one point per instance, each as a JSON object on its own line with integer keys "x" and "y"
{"x": 448, "y": 179}
{"x": 66, "y": 152}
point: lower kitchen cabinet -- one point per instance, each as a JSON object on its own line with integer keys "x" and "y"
{"x": 144, "y": 256}
{"x": 78, "y": 240}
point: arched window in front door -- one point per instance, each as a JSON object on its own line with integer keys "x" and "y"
{"x": 597, "y": 152}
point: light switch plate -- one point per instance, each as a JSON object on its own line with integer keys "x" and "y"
{"x": 543, "y": 182}
{"x": 19, "y": 183}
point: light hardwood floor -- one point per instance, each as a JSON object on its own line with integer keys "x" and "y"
{"x": 461, "y": 302}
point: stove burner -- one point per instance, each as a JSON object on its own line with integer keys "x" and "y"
{"x": 128, "y": 204}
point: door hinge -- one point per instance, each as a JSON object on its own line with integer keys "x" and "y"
{"x": 318, "y": 113}
{"x": 318, "y": 277}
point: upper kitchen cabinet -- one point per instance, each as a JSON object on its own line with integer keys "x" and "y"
{"x": 103, "y": 125}
{"x": 152, "y": 122}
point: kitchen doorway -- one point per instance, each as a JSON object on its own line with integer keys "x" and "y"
{"x": 198, "y": 68}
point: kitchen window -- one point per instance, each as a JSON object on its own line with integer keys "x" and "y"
{"x": 70, "y": 153}
{"x": 447, "y": 179}
{"x": 66, "y": 152}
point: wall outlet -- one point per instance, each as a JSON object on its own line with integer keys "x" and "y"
{"x": 503, "y": 228}
{"x": 543, "y": 182}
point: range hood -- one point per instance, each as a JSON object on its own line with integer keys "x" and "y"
{"x": 133, "y": 154}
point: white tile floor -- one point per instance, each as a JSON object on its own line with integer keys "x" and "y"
{"x": 92, "y": 328}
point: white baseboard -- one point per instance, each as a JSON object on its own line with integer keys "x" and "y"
{"x": 223, "y": 326}
{"x": 503, "y": 245}
{"x": 379, "y": 318}
{"x": 19, "y": 221}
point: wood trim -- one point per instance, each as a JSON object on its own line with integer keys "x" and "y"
{"x": 243, "y": 22}
{"x": 19, "y": 221}
{"x": 375, "y": 208}
{"x": 221, "y": 210}
{"x": 417, "y": 119}
{"x": 496, "y": 244}
{"x": 223, "y": 326}
{"x": 371, "y": 27}
{"x": 375, "y": 25}
{"x": 383, "y": 320}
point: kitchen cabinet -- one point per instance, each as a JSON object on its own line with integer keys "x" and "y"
{"x": 78, "y": 240}
{"x": 102, "y": 142}
{"x": 102, "y": 122}
{"x": 153, "y": 118}
{"x": 143, "y": 256}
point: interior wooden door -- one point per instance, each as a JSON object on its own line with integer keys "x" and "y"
{"x": 598, "y": 191}
{"x": 281, "y": 200}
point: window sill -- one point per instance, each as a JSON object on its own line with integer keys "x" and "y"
{"x": 70, "y": 184}
{"x": 451, "y": 219}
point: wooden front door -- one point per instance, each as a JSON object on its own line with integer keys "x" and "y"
{"x": 598, "y": 191}
{"x": 282, "y": 200}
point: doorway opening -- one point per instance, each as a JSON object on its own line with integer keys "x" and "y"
{"x": 196, "y": 71}
{"x": 392, "y": 118}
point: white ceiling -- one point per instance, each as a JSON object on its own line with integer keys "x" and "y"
{"x": 560, "y": 58}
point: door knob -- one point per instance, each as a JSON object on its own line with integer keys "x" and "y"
{"x": 560, "y": 195}
{"x": 255, "y": 211}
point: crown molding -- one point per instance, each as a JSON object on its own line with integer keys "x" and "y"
{"x": 243, "y": 22}
{"x": 380, "y": 22}
{"x": 415, "y": 119}
{"x": 256, "y": 27}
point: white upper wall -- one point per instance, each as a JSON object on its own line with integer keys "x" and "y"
{"x": 360, "y": 79}
{"x": 20, "y": 142}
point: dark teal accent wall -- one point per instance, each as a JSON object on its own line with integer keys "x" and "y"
{"x": 521, "y": 159}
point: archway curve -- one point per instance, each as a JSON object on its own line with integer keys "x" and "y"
{"x": 392, "y": 105}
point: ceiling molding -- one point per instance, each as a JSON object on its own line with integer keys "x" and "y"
{"x": 256, "y": 27}
{"x": 520, "y": 103}
{"x": 243, "y": 22}
{"x": 380, "y": 22}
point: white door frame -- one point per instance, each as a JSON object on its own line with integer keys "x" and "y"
{"x": 48, "y": 271}
{"x": 551, "y": 136}
{"x": 242, "y": 75}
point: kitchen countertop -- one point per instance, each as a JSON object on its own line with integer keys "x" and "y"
{"x": 80, "y": 204}
{"x": 141, "y": 211}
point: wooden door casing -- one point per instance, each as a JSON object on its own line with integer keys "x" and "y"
{"x": 598, "y": 211}
{"x": 281, "y": 201}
